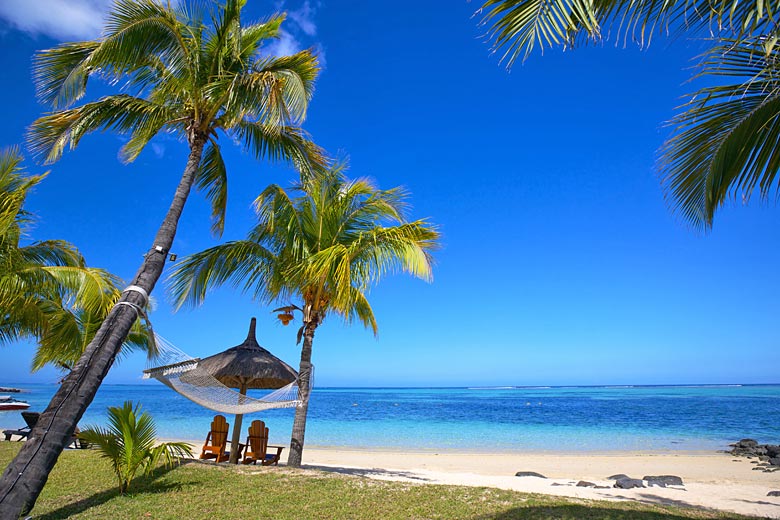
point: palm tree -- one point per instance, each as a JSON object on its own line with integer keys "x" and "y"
{"x": 70, "y": 329}
{"x": 724, "y": 144}
{"x": 130, "y": 443}
{"x": 44, "y": 286}
{"x": 182, "y": 76}
{"x": 324, "y": 247}
{"x": 34, "y": 278}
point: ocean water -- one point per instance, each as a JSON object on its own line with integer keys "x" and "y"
{"x": 653, "y": 418}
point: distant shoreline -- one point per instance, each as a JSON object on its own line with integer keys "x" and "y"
{"x": 473, "y": 387}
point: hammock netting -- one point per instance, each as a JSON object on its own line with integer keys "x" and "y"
{"x": 181, "y": 373}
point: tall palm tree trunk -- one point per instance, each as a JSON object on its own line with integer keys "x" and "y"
{"x": 304, "y": 388}
{"x": 26, "y": 475}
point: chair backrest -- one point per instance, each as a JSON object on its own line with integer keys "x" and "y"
{"x": 258, "y": 439}
{"x": 31, "y": 418}
{"x": 219, "y": 431}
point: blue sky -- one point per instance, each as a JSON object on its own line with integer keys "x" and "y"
{"x": 561, "y": 262}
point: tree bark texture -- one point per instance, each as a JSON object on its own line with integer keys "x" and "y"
{"x": 25, "y": 476}
{"x": 304, "y": 388}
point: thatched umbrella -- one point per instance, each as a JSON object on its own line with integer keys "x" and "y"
{"x": 246, "y": 366}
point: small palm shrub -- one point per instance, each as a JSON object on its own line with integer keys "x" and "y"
{"x": 129, "y": 443}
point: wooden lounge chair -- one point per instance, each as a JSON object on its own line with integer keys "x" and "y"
{"x": 257, "y": 446}
{"x": 216, "y": 440}
{"x": 30, "y": 418}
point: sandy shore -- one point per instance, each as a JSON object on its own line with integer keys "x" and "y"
{"x": 711, "y": 480}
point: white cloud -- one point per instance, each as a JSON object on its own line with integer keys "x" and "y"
{"x": 285, "y": 45}
{"x": 304, "y": 17}
{"x": 300, "y": 25}
{"x": 59, "y": 19}
{"x": 158, "y": 149}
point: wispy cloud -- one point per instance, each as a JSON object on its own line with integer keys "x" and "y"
{"x": 285, "y": 44}
{"x": 299, "y": 28}
{"x": 59, "y": 19}
{"x": 304, "y": 17}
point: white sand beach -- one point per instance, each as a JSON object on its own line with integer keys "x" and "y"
{"x": 716, "y": 481}
{"x": 711, "y": 480}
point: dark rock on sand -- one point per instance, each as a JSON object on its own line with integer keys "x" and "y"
{"x": 529, "y": 474}
{"x": 602, "y": 487}
{"x": 745, "y": 443}
{"x": 773, "y": 450}
{"x": 617, "y": 477}
{"x": 773, "y": 494}
{"x": 583, "y": 483}
{"x": 628, "y": 483}
{"x": 663, "y": 480}
{"x": 750, "y": 448}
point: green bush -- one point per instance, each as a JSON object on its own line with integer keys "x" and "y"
{"x": 129, "y": 443}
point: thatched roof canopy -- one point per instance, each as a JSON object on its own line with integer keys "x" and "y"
{"x": 249, "y": 365}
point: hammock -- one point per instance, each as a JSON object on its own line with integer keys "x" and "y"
{"x": 181, "y": 373}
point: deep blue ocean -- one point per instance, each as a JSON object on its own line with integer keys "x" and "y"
{"x": 656, "y": 418}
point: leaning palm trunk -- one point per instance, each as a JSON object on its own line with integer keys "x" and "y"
{"x": 26, "y": 475}
{"x": 304, "y": 388}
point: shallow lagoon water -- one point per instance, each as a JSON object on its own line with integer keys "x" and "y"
{"x": 647, "y": 418}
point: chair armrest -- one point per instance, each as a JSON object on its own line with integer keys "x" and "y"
{"x": 278, "y": 448}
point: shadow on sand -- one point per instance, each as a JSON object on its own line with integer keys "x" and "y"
{"x": 377, "y": 473}
{"x": 581, "y": 512}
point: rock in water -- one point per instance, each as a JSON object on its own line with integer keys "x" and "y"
{"x": 663, "y": 480}
{"x": 529, "y": 474}
{"x": 628, "y": 483}
{"x": 583, "y": 483}
{"x": 617, "y": 477}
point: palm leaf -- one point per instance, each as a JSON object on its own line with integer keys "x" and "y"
{"x": 726, "y": 142}
{"x": 520, "y": 26}
{"x": 212, "y": 178}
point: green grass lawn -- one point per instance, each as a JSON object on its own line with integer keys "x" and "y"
{"x": 82, "y": 485}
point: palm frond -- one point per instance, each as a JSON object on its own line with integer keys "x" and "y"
{"x": 520, "y": 26}
{"x": 726, "y": 142}
{"x": 60, "y": 74}
{"x": 212, "y": 179}
{"x": 49, "y": 135}
{"x": 51, "y": 252}
{"x": 134, "y": 31}
{"x": 362, "y": 310}
{"x": 242, "y": 263}
{"x": 281, "y": 144}
{"x": 327, "y": 244}
{"x": 252, "y": 35}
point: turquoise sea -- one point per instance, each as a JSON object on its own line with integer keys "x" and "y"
{"x": 695, "y": 417}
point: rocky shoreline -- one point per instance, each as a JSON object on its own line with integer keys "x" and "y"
{"x": 6, "y": 390}
{"x": 767, "y": 456}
